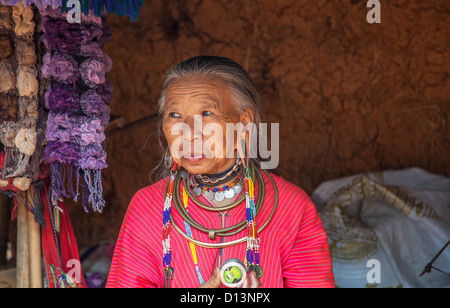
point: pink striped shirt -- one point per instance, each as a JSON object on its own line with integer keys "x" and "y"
{"x": 294, "y": 248}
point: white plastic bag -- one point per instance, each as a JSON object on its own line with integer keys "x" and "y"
{"x": 384, "y": 227}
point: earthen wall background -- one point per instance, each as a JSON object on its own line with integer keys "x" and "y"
{"x": 349, "y": 96}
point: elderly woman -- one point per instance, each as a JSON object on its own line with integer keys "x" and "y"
{"x": 217, "y": 220}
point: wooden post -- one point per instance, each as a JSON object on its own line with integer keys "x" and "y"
{"x": 4, "y": 226}
{"x": 29, "y": 256}
{"x": 34, "y": 239}
{"x": 23, "y": 250}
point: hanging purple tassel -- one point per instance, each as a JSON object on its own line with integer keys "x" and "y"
{"x": 99, "y": 185}
{"x": 40, "y": 4}
{"x": 55, "y": 187}
{"x": 84, "y": 194}
{"x": 78, "y": 99}
{"x": 77, "y": 183}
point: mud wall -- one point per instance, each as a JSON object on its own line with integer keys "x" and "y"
{"x": 349, "y": 96}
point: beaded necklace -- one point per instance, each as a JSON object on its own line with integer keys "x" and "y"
{"x": 253, "y": 240}
{"x": 218, "y": 193}
{"x": 167, "y": 253}
{"x": 252, "y": 257}
{"x": 207, "y": 184}
{"x": 189, "y": 233}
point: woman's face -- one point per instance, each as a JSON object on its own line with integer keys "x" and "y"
{"x": 196, "y": 112}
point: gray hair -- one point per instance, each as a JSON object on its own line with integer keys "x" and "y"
{"x": 242, "y": 89}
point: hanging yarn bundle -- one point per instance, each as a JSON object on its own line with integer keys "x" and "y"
{"x": 39, "y": 3}
{"x": 77, "y": 98}
{"x": 9, "y": 105}
{"x": 20, "y": 128}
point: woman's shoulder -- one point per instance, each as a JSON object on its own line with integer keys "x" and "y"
{"x": 157, "y": 186}
{"x": 283, "y": 185}
{"x": 152, "y": 194}
{"x": 294, "y": 204}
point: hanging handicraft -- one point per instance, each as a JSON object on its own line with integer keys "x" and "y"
{"x": 22, "y": 129}
{"x": 77, "y": 99}
{"x": 19, "y": 93}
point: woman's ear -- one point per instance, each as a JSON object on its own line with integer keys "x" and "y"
{"x": 246, "y": 135}
{"x": 247, "y": 117}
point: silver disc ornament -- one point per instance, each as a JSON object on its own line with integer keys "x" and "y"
{"x": 197, "y": 191}
{"x": 229, "y": 193}
{"x": 209, "y": 194}
{"x": 219, "y": 195}
{"x": 237, "y": 188}
{"x": 233, "y": 273}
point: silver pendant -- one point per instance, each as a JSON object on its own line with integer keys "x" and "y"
{"x": 229, "y": 193}
{"x": 197, "y": 191}
{"x": 209, "y": 194}
{"x": 167, "y": 159}
{"x": 219, "y": 195}
{"x": 237, "y": 188}
{"x": 233, "y": 273}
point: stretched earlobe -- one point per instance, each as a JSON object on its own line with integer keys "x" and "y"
{"x": 243, "y": 146}
{"x": 247, "y": 117}
{"x": 167, "y": 159}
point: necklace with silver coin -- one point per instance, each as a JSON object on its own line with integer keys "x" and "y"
{"x": 219, "y": 195}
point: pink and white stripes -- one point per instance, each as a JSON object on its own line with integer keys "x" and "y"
{"x": 294, "y": 244}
